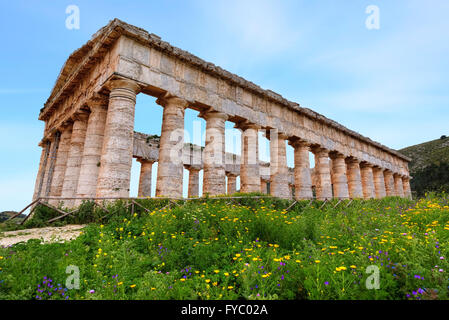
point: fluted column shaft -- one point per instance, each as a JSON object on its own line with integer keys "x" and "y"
{"x": 117, "y": 152}
{"x": 249, "y": 167}
{"x": 194, "y": 182}
{"x": 49, "y": 173}
{"x": 214, "y": 175}
{"x": 339, "y": 177}
{"x": 278, "y": 166}
{"x": 61, "y": 163}
{"x": 170, "y": 165}
{"x": 73, "y": 164}
{"x": 323, "y": 174}
{"x": 302, "y": 174}
{"x": 354, "y": 179}
{"x": 263, "y": 186}
{"x": 146, "y": 167}
{"x": 232, "y": 183}
{"x": 367, "y": 181}
{"x": 398, "y": 187}
{"x": 389, "y": 183}
{"x": 93, "y": 146}
{"x": 379, "y": 183}
{"x": 407, "y": 189}
{"x": 41, "y": 171}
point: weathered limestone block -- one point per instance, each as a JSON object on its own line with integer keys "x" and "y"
{"x": 170, "y": 165}
{"x": 389, "y": 183}
{"x": 116, "y": 158}
{"x": 278, "y": 165}
{"x": 339, "y": 176}
{"x": 214, "y": 175}
{"x": 145, "y": 178}
{"x": 75, "y": 155}
{"x": 302, "y": 176}
{"x": 367, "y": 180}
{"x": 194, "y": 182}
{"x": 407, "y": 189}
{"x": 398, "y": 187}
{"x": 323, "y": 175}
{"x": 232, "y": 183}
{"x": 61, "y": 162}
{"x": 354, "y": 178}
{"x": 93, "y": 145}
{"x": 249, "y": 167}
{"x": 379, "y": 182}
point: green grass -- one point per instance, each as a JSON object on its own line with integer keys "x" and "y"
{"x": 240, "y": 249}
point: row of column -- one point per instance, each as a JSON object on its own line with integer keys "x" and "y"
{"x": 91, "y": 156}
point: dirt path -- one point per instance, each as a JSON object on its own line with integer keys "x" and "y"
{"x": 47, "y": 234}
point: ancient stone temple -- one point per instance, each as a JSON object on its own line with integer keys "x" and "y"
{"x": 89, "y": 140}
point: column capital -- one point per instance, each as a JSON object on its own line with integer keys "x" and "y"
{"x": 352, "y": 160}
{"x": 123, "y": 83}
{"x": 244, "y": 125}
{"x": 169, "y": 99}
{"x": 231, "y": 174}
{"x": 336, "y": 155}
{"x": 142, "y": 160}
{"x": 318, "y": 150}
{"x": 213, "y": 114}
{"x": 298, "y": 143}
{"x": 81, "y": 115}
{"x": 192, "y": 168}
{"x": 97, "y": 102}
{"x": 365, "y": 164}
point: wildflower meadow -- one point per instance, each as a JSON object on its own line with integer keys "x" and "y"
{"x": 249, "y": 248}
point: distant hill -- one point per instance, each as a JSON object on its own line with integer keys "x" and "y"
{"x": 429, "y": 166}
{"x": 5, "y": 215}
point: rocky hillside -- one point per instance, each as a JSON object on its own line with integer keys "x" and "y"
{"x": 429, "y": 166}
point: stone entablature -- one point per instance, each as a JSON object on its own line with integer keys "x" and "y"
{"x": 121, "y": 61}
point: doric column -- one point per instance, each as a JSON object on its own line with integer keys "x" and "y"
{"x": 379, "y": 182}
{"x": 117, "y": 152}
{"x": 302, "y": 176}
{"x": 232, "y": 183}
{"x": 55, "y": 139}
{"x": 407, "y": 189}
{"x": 93, "y": 145}
{"x": 249, "y": 165}
{"x": 74, "y": 157}
{"x": 194, "y": 181}
{"x": 145, "y": 178}
{"x": 214, "y": 175}
{"x": 389, "y": 183}
{"x": 398, "y": 187}
{"x": 354, "y": 178}
{"x": 339, "y": 176}
{"x": 170, "y": 165}
{"x": 61, "y": 162}
{"x": 263, "y": 186}
{"x": 323, "y": 175}
{"x": 367, "y": 180}
{"x": 42, "y": 168}
{"x": 278, "y": 165}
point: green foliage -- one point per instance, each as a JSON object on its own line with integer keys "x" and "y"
{"x": 429, "y": 166}
{"x": 248, "y": 248}
{"x": 434, "y": 177}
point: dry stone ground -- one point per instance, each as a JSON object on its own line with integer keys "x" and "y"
{"x": 47, "y": 234}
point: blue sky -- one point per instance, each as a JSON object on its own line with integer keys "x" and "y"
{"x": 389, "y": 84}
